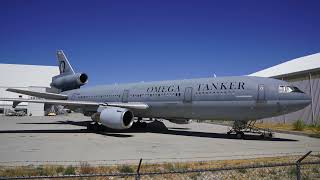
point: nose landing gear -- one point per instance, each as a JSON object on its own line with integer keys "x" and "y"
{"x": 241, "y": 127}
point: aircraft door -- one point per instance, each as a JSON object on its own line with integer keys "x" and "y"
{"x": 261, "y": 93}
{"x": 188, "y": 95}
{"x": 125, "y": 96}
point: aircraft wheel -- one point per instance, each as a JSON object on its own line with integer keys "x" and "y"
{"x": 143, "y": 125}
{"x": 240, "y": 135}
{"x": 89, "y": 127}
{"x": 139, "y": 124}
{"x": 93, "y": 127}
{"x": 268, "y": 135}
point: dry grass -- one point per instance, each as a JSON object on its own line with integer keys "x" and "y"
{"x": 86, "y": 168}
{"x": 308, "y": 130}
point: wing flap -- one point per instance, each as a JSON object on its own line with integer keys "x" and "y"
{"x": 130, "y": 105}
{"x": 39, "y": 94}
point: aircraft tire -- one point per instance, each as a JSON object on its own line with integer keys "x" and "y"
{"x": 267, "y": 136}
{"x": 143, "y": 125}
{"x": 89, "y": 127}
{"x": 240, "y": 135}
{"x": 93, "y": 127}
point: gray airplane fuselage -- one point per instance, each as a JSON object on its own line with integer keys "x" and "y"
{"x": 222, "y": 98}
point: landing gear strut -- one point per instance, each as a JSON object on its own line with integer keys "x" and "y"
{"x": 139, "y": 124}
{"x": 95, "y": 127}
{"x": 241, "y": 127}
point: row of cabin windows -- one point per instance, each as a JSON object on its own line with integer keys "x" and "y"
{"x": 156, "y": 94}
{"x": 103, "y": 96}
{"x": 213, "y": 92}
{"x": 132, "y": 95}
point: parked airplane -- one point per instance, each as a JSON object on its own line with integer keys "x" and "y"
{"x": 238, "y": 98}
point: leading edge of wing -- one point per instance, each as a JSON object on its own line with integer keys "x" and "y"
{"x": 129, "y": 105}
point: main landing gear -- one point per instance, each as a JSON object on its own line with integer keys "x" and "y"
{"x": 140, "y": 124}
{"x": 95, "y": 127}
{"x": 241, "y": 127}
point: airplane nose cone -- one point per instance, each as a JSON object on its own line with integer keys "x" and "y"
{"x": 296, "y": 103}
{"x": 308, "y": 99}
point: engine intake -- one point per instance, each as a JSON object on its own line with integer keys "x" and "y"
{"x": 69, "y": 82}
{"x": 114, "y": 118}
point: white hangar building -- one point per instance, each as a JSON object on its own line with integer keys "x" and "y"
{"x": 304, "y": 73}
{"x": 30, "y": 77}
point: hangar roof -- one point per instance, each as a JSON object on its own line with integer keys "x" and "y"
{"x": 296, "y": 66}
{"x": 18, "y": 75}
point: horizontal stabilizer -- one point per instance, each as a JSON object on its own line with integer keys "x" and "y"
{"x": 39, "y": 94}
{"x": 131, "y": 105}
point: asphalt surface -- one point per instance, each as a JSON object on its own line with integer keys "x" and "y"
{"x": 65, "y": 140}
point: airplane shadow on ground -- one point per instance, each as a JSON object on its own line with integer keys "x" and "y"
{"x": 154, "y": 127}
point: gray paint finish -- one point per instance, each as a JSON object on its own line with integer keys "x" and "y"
{"x": 311, "y": 113}
{"x": 224, "y": 98}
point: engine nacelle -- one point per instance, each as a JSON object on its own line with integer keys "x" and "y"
{"x": 69, "y": 82}
{"x": 114, "y": 118}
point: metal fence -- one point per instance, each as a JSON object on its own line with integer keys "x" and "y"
{"x": 296, "y": 168}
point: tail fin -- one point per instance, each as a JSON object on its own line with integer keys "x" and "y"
{"x": 64, "y": 65}
{"x": 67, "y": 79}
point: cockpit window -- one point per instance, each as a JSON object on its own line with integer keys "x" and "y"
{"x": 297, "y": 90}
{"x": 282, "y": 89}
{"x": 289, "y": 89}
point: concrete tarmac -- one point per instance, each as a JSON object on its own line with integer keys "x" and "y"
{"x": 65, "y": 140}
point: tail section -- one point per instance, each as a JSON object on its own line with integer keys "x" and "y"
{"x": 64, "y": 65}
{"x": 67, "y": 79}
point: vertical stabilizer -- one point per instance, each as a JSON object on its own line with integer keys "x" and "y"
{"x": 67, "y": 79}
{"x": 64, "y": 65}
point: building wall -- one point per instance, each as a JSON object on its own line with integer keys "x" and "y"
{"x": 310, "y": 84}
{"x": 30, "y": 77}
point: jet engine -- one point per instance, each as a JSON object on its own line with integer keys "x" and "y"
{"x": 114, "y": 118}
{"x": 69, "y": 82}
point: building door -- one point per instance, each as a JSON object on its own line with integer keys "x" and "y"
{"x": 125, "y": 96}
{"x": 261, "y": 93}
{"x": 188, "y": 95}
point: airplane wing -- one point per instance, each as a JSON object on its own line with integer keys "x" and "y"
{"x": 130, "y": 105}
{"x": 39, "y": 94}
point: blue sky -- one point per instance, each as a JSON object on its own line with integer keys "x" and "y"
{"x": 131, "y": 41}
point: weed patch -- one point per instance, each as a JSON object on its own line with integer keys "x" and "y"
{"x": 299, "y": 125}
{"x": 70, "y": 170}
{"x": 126, "y": 169}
